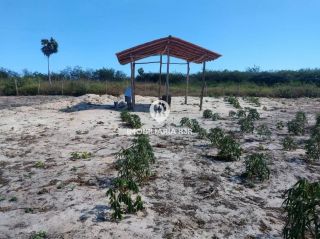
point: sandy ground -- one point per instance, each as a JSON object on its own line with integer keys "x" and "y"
{"x": 191, "y": 196}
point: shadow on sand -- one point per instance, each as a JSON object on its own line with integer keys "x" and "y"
{"x": 89, "y": 106}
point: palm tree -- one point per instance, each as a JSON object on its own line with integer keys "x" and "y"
{"x": 49, "y": 47}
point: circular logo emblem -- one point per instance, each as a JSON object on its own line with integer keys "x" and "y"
{"x": 159, "y": 110}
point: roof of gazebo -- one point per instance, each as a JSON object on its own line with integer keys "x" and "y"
{"x": 172, "y": 46}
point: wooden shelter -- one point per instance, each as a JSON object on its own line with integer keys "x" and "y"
{"x": 169, "y": 46}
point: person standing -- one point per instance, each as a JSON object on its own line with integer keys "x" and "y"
{"x": 128, "y": 97}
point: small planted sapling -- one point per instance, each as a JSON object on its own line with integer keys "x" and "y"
{"x": 229, "y": 149}
{"x": 215, "y": 116}
{"x": 302, "y": 207}
{"x": 215, "y": 136}
{"x": 263, "y": 131}
{"x": 256, "y": 167}
{"x": 207, "y": 114}
{"x": 289, "y": 143}
{"x": 298, "y": 124}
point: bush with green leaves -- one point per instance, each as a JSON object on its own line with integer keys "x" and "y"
{"x": 280, "y": 125}
{"x": 241, "y": 113}
{"x": 207, "y": 114}
{"x": 298, "y": 124}
{"x": 133, "y": 167}
{"x": 302, "y": 207}
{"x": 195, "y": 126}
{"x": 289, "y": 143}
{"x": 233, "y": 101}
{"x": 185, "y": 121}
{"x": 312, "y": 146}
{"x": 215, "y": 116}
{"x": 253, "y": 114}
{"x": 256, "y": 167}
{"x": 253, "y": 100}
{"x": 121, "y": 200}
{"x": 246, "y": 125}
{"x": 125, "y": 115}
{"x": 202, "y": 133}
{"x": 263, "y": 131}
{"x": 132, "y": 120}
{"x": 81, "y": 155}
{"x": 134, "y": 162}
{"x": 215, "y": 136}
{"x": 229, "y": 149}
{"x": 39, "y": 235}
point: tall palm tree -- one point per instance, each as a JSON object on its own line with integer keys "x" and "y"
{"x": 49, "y": 47}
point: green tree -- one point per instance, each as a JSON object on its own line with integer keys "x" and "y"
{"x": 49, "y": 47}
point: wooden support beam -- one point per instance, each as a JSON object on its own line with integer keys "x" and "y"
{"x": 203, "y": 83}
{"x": 160, "y": 75}
{"x": 133, "y": 98}
{"x": 187, "y": 83}
{"x": 167, "y": 78}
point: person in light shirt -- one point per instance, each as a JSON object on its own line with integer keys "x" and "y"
{"x": 128, "y": 97}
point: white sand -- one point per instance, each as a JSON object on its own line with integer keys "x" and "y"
{"x": 191, "y": 196}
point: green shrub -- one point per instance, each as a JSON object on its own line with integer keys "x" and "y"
{"x": 80, "y": 155}
{"x": 215, "y": 116}
{"x": 125, "y": 115}
{"x": 297, "y": 125}
{"x": 195, "y": 126}
{"x": 39, "y": 235}
{"x": 229, "y": 149}
{"x": 256, "y": 167}
{"x": 246, "y": 125}
{"x": 253, "y": 114}
{"x": 289, "y": 144}
{"x": 302, "y": 206}
{"x": 185, "y": 121}
{"x": 241, "y": 114}
{"x": 121, "y": 200}
{"x": 264, "y": 131}
{"x": 215, "y": 136}
{"x": 312, "y": 148}
{"x": 253, "y": 100}
{"x": 134, "y": 121}
{"x": 280, "y": 125}
{"x": 207, "y": 114}
{"x": 233, "y": 101}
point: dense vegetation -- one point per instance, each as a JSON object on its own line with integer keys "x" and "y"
{"x": 77, "y": 81}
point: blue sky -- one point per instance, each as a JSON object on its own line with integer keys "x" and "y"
{"x": 273, "y": 34}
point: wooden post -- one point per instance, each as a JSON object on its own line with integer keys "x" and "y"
{"x": 203, "y": 83}
{"x": 187, "y": 86}
{"x": 160, "y": 71}
{"x": 167, "y": 79}
{"x": 132, "y": 64}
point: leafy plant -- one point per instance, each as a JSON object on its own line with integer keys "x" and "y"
{"x": 125, "y": 115}
{"x": 39, "y": 164}
{"x": 264, "y": 131}
{"x": 229, "y": 149}
{"x": 253, "y": 100}
{"x": 215, "y": 116}
{"x": 39, "y": 235}
{"x": 215, "y": 136}
{"x": 134, "y": 121}
{"x": 121, "y": 200}
{"x": 185, "y": 121}
{"x": 302, "y": 206}
{"x": 280, "y": 125}
{"x": 195, "y": 126}
{"x": 256, "y": 167}
{"x": 253, "y": 114}
{"x": 246, "y": 125}
{"x": 233, "y": 101}
{"x": 80, "y": 155}
{"x": 289, "y": 144}
{"x": 207, "y": 114}
{"x": 297, "y": 125}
